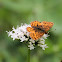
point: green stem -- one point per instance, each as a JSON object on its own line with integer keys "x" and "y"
{"x": 28, "y": 55}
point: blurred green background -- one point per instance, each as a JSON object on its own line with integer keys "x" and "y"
{"x": 15, "y": 12}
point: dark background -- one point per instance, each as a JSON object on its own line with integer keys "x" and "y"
{"x": 15, "y": 12}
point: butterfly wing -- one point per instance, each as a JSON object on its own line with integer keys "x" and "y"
{"x": 36, "y": 35}
{"x": 35, "y": 24}
{"x": 46, "y": 25}
{"x": 30, "y": 29}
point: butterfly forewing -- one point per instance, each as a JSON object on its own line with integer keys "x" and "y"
{"x": 46, "y": 25}
{"x": 35, "y": 24}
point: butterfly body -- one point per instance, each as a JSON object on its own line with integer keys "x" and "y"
{"x": 38, "y": 29}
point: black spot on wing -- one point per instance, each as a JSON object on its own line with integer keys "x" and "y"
{"x": 37, "y": 24}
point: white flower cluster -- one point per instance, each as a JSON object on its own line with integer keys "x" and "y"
{"x": 22, "y": 34}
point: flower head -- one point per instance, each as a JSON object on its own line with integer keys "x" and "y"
{"x": 22, "y": 34}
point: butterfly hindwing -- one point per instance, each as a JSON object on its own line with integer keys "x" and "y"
{"x": 36, "y": 35}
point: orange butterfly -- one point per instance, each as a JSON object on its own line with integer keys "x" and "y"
{"x": 38, "y": 29}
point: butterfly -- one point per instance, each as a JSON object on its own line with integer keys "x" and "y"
{"x": 38, "y": 29}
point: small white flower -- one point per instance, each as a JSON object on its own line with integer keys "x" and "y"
{"x": 41, "y": 42}
{"x": 32, "y": 40}
{"x": 43, "y": 46}
{"x": 31, "y": 46}
{"x": 45, "y": 36}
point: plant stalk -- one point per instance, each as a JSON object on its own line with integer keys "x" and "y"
{"x": 28, "y": 55}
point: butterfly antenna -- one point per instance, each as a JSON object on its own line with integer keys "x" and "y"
{"x": 52, "y": 30}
